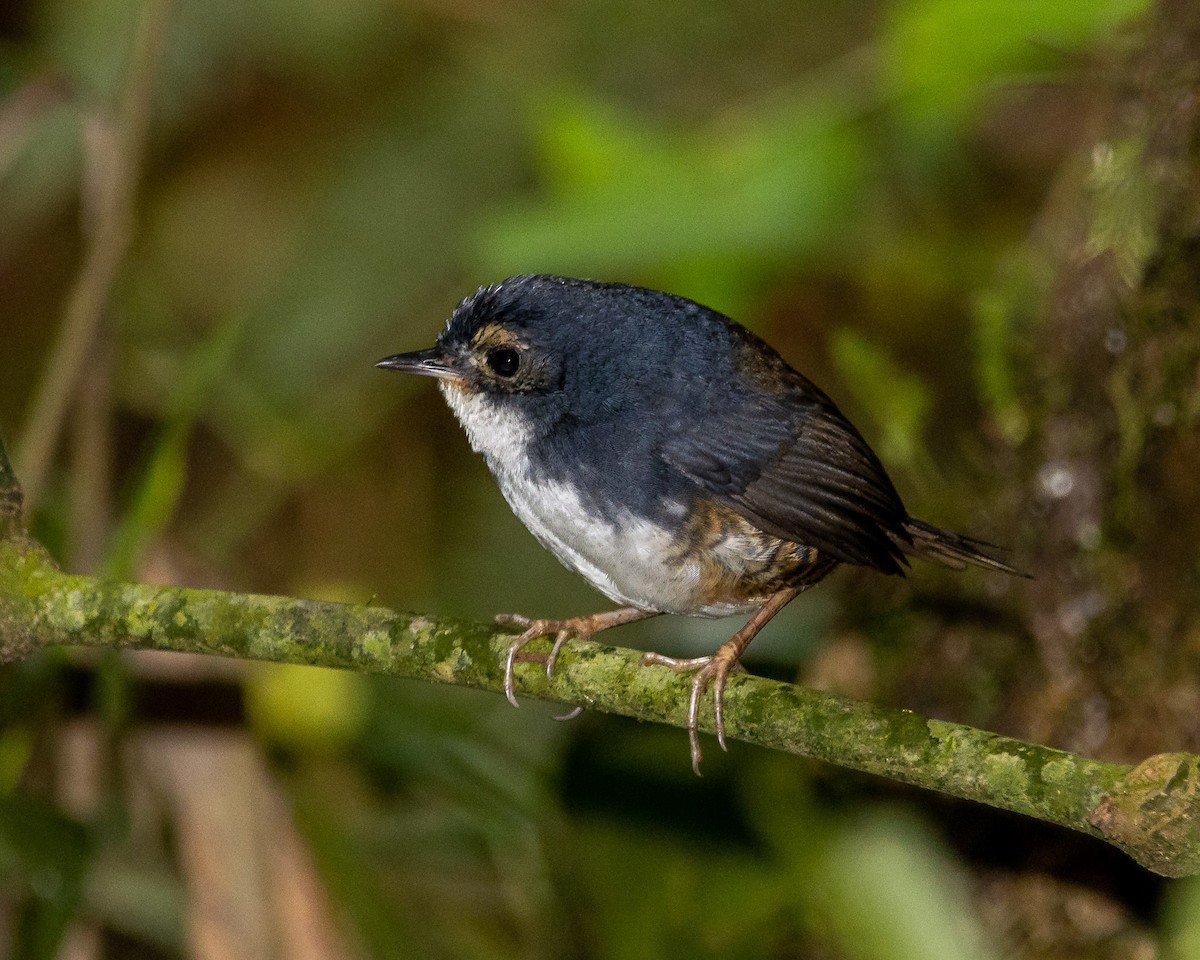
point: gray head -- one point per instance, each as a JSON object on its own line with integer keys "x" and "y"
{"x": 523, "y": 354}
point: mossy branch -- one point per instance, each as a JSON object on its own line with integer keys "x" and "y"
{"x": 1152, "y": 811}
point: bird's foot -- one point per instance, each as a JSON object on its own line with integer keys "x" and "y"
{"x": 580, "y": 628}
{"x": 712, "y": 670}
{"x": 562, "y": 630}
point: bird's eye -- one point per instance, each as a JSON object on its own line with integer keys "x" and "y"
{"x": 504, "y": 361}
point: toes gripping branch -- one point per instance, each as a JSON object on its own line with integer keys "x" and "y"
{"x": 579, "y": 628}
{"x": 712, "y": 671}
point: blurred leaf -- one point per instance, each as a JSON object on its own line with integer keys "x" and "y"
{"x": 23, "y": 110}
{"x": 471, "y": 748}
{"x": 1181, "y": 920}
{"x": 306, "y": 708}
{"x": 891, "y": 893}
{"x": 648, "y": 894}
{"x": 941, "y": 57}
{"x": 1125, "y": 208}
{"x": 625, "y": 196}
{"x": 161, "y": 484}
{"x": 444, "y": 856}
{"x": 39, "y": 174}
{"x": 16, "y": 746}
{"x": 875, "y": 882}
{"x": 999, "y": 315}
{"x": 43, "y": 857}
{"x": 385, "y": 891}
{"x": 897, "y": 401}
{"x": 144, "y": 901}
{"x": 91, "y": 41}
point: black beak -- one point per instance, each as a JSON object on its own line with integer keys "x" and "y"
{"x": 426, "y": 363}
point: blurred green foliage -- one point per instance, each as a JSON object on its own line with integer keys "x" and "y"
{"x": 322, "y": 182}
{"x": 899, "y": 403}
{"x": 944, "y": 57}
{"x": 44, "y": 856}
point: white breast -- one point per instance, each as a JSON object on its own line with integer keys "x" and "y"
{"x": 629, "y": 559}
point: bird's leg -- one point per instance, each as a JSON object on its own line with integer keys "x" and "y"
{"x": 716, "y": 669}
{"x": 563, "y": 630}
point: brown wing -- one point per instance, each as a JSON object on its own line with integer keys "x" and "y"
{"x": 792, "y": 464}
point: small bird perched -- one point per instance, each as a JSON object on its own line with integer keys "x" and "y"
{"x": 671, "y": 457}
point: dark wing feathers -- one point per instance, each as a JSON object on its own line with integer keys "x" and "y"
{"x": 769, "y": 443}
{"x": 793, "y": 465}
{"x": 826, "y": 489}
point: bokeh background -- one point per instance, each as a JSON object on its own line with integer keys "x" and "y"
{"x": 215, "y": 216}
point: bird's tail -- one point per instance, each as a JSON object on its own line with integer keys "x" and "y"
{"x": 955, "y": 549}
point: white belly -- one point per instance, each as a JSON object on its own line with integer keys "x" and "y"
{"x": 626, "y": 566}
{"x": 630, "y": 560}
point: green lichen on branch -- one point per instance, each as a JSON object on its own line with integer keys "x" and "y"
{"x": 1153, "y": 816}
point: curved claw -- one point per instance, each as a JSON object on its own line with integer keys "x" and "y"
{"x": 563, "y": 630}
{"x": 562, "y": 637}
{"x": 718, "y": 666}
{"x": 570, "y": 715}
{"x": 715, "y": 670}
{"x": 533, "y": 630}
{"x": 699, "y": 682}
{"x": 509, "y": 682}
{"x": 722, "y": 672}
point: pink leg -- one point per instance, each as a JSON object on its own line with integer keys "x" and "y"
{"x": 716, "y": 669}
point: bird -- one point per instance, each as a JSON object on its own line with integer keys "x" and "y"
{"x": 672, "y": 458}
